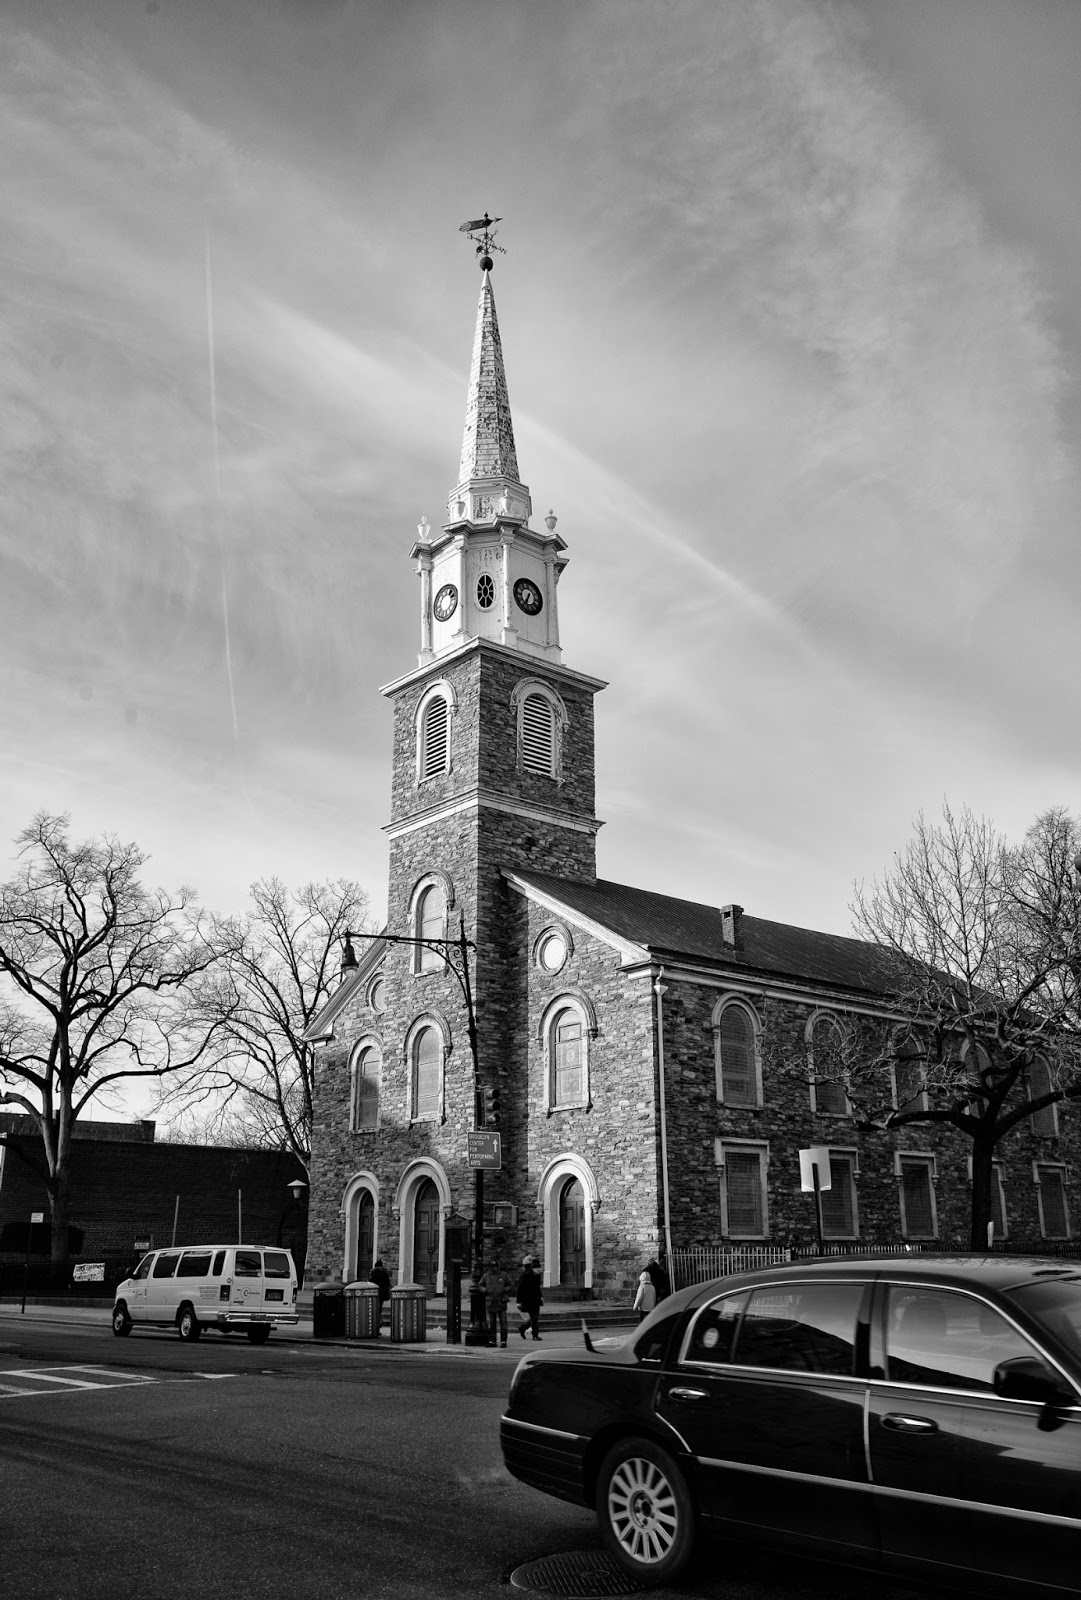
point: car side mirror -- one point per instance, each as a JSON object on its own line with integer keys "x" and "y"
{"x": 1028, "y": 1378}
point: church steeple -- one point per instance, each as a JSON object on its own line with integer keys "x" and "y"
{"x": 488, "y": 574}
{"x": 488, "y": 440}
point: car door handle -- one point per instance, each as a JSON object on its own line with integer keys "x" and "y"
{"x": 679, "y": 1393}
{"x": 902, "y": 1424}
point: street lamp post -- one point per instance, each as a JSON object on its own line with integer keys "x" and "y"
{"x": 455, "y": 954}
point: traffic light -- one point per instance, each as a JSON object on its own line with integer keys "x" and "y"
{"x": 489, "y": 1107}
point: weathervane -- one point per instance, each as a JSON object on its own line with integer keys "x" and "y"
{"x": 486, "y": 243}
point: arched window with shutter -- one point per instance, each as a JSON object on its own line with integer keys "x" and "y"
{"x": 736, "y": 1038}
{"x": 824, "y": 1052}
{"x": 433, "y": 719}
{"x": 541, "y": 719}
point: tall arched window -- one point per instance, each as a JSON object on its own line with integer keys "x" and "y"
{"x": 824, "y": 1047}
{"x": 908, "y": 1076}
{"x": 367, "y": 1079}
{"x": 568, "y": 1060}
{"x": 431, "y": 923}
{"x": 427, "y": 1075}
{"x": 1044, "y": 1121}
{"x": 737, "y": 1065}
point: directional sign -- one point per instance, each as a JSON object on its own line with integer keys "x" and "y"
{"x": 485, "y": 1150}
{"x": 818, "y": 1156}
{"x": 37, "y": 1216}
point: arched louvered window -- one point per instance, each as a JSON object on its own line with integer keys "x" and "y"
{"x": 431, "y": 919}
{"x": 737, "y": 1068}
{"x": 434, "y": 738}
{"x": 427, "y": 1073}
{"x": 538, "y": 735}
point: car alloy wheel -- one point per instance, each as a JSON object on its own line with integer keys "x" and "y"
{"x": 187, "y": 1325}
{"x": 645, "y": 1511}
{"x": 121, "y": 1322}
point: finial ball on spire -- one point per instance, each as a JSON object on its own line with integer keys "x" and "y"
{"x": 486, "y": 263}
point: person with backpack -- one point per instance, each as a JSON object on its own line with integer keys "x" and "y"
{"x": 646, "y": 1298}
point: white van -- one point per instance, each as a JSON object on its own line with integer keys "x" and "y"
{"x": 225, "y": 1286}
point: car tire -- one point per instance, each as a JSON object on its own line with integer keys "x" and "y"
{"x": 645, "y": 1511}
{"x": 258, "y": 1335}
{"x": 121, "y": 1322}
{"x": 187, "y": 1325}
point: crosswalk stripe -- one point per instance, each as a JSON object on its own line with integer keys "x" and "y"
{"x": 53, "y": 1377}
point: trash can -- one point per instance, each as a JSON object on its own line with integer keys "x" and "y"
{"x": 408, "y": 1314}
{"x": 328, "y": 1311}
{"x": 361, "y": 1310}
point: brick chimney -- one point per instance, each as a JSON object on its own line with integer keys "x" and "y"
{"x": 732, "y": 926}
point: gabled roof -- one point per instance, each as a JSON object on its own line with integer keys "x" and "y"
{"x": 670, "y": 929}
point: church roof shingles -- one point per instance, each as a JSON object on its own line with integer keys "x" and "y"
{"x": 671, "y": 928}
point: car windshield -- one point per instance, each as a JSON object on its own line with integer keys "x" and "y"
{"x": 1056, "y": 1303}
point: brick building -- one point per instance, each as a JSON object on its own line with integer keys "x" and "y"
{"x": 126, "y": 1187}
{"x": 620, "y": 1030}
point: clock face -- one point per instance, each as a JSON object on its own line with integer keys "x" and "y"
{"x": 446, "y": 602}
{"x": 527, "y": 596}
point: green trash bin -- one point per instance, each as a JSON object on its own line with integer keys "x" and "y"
{"x": 361, "y": 1310}
{"x": 328, "y": 1311}
{"x": 408, "y": 1314}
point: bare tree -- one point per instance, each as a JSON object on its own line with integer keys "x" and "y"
{"x": 93, "y": 974}
{"x": 979, "y": 960}
{"x": 280, "y": 963}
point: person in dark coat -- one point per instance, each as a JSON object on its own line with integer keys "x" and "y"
{"x": 379, "y": 1275}
{"x": 528, "y": 1296}
{"x": 659, "y": 1279}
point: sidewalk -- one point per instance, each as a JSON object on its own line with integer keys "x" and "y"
{"x": 434, "y": 1345}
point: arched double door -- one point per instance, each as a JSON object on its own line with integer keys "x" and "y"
{"x": 572, "y": 1234}
{"x": 427, "y": 1216}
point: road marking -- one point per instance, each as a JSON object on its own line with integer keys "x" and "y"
{"x": 33, "y": 1381}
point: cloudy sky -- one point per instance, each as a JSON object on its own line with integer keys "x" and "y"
{"x": 791, "y": 312}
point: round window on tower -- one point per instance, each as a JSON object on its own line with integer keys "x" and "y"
{"x": 485, "y": 591}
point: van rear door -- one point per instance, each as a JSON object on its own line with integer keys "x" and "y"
{"x": 247, "y": 1294}
{"x": 278, "y": 1276}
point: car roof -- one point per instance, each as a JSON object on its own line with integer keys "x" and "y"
{"x": 963, "y": 1271}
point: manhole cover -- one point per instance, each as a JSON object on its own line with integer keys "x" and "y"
{"x": 582, "y": 1575}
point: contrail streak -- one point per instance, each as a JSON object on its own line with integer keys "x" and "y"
{"x": 217, "y": 484}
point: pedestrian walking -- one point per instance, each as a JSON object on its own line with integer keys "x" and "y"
{"x": 379, "y": 1275}
{"x": 529, "y": 1298}
{"x": 659, "y": 1279}
{"x": 495, "y": 1287}
{"x": 646, "y": 1298}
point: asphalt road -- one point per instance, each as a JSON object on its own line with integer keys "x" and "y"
{"x": 146, "y": 1466}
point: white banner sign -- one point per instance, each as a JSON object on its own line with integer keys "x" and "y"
{"x": 88, "y": 1272}
{"x": 818, "y": 1156}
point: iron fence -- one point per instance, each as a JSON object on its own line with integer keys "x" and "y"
{"x": 701, "y": 1263}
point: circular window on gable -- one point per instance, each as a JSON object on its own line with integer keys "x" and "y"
{"x": 377, "y": 997}
{"x": 485, "y": 591}
{"x": 552, "y": 950}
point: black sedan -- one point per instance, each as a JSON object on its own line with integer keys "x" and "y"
{"x": 919, "y": 1415}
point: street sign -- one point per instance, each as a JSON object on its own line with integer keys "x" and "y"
{"x": 37, "y": 1216}
{"x": 818, "y": 1156}
{"x": 485, "y": 1150}
{"x": 88, "y": 1272}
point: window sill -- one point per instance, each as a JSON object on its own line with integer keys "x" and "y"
{"x": 362, "y": 1131}
{"x": 571, "y": 1105}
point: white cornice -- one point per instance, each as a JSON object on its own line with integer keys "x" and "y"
{"x": 477, "y": 799}
{"x": 632, "y": 953}
{"x": 532, "y": 662}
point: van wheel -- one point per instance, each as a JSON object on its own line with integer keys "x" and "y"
{"x": 258, "y": 1335}
{"x": 187, "y": 1325}
{"x": 121, "y": 1321}
{"x": 645, "y": 1511}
